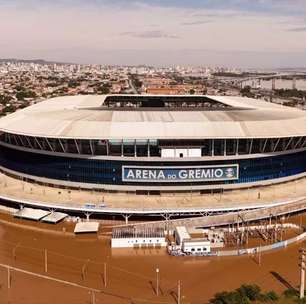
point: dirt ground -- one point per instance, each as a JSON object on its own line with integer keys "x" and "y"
{"x": 130, "y": 274}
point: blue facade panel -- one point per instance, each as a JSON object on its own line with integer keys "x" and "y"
{"x": 110, "y": 172}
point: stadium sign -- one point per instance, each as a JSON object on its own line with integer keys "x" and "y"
{"x": 180, "y": 174}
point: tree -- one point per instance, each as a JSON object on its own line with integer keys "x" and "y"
{"x": 73, "y": 83}
{"x": 290, "y": 293}
{"x": 245, "y": 294}
{"x": 246, "y": 92}
{"x": 9, "y": 109}
{"x": 229, "y": 298}
{"x": 252, "y": 292}
{"x": 4, "y": 99}
{"x": 104, "y": 89}
{"x": 270, "y": 296}
{"x": 137, "y": 83}
{"x": 21, "y": 95}
{"x": 204, "y": 91}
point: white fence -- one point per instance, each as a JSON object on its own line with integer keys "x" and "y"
{"x": 254, "y": 250}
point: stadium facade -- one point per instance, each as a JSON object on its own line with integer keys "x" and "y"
{"x": 154, "y": 143}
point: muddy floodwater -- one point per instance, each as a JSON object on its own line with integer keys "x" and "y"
{"x": 130, "y": 274}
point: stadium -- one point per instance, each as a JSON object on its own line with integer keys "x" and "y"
{"x": 153, "y": 144}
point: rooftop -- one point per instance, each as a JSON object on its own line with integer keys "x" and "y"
{"x": 89, "y": 117}
{"x": 86, "y": 227}
{"x": 182, "y": 233}
{"x": 31, "y": 214}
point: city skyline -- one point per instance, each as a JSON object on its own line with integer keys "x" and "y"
{"x": 242, "y": 33}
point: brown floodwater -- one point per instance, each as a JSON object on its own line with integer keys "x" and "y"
{"x": 130, "y": 274}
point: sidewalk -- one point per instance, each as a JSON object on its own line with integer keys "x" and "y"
{"x": 18, "y": 189}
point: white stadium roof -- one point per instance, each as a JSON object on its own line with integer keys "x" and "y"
{"x": 83, "y": 117}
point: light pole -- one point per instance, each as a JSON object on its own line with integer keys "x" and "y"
{"x": 46, "y": 260}
{"x": 157, "y": 281}
{"x": 179, "y": 292}
{"x": 302, "y": 276}
{"x": 104, "y": 275}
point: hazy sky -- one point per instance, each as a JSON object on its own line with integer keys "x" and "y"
{"x": 247, "y": 33}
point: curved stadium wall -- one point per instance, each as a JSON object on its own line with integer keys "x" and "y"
{"x": 255, "y": 162}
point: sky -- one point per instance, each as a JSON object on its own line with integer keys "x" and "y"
{"x": 234, "y": 33}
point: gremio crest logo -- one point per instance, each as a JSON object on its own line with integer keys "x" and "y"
{"x": 229, "y": 172}
{"x": 180, "y": 174}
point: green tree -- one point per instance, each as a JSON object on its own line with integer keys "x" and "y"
{"x": 233, "y": 297}
{"x": 252, "y": 292}
{"x": 270, "y": 296}
{"x": 104, "y": 89}
{"x": 4, "y": 99}
{"x": 246, "y": 92}
{"x": 21, "y": 95}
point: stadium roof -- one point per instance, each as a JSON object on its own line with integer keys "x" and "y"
{"x": 84, "y": 117}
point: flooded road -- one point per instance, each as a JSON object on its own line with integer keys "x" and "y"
{"x": 130, "y": 274}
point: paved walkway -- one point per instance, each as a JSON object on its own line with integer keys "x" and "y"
{"x": 228, "y": 218}
{"x": 14, "y": 188}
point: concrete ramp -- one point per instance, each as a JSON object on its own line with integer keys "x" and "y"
{"x": 31, "y": 214}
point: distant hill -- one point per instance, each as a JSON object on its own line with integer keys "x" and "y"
{"x": 291, "y": 70}
{"x": 37, "y": 61}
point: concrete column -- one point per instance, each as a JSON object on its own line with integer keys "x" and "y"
{"x": 126, "y": 217}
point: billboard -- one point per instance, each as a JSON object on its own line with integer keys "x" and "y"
{"x": 180, "y": 174}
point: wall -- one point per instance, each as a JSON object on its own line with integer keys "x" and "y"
{"x": 131, "y": 242}
{"x": 109, "y": 172}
